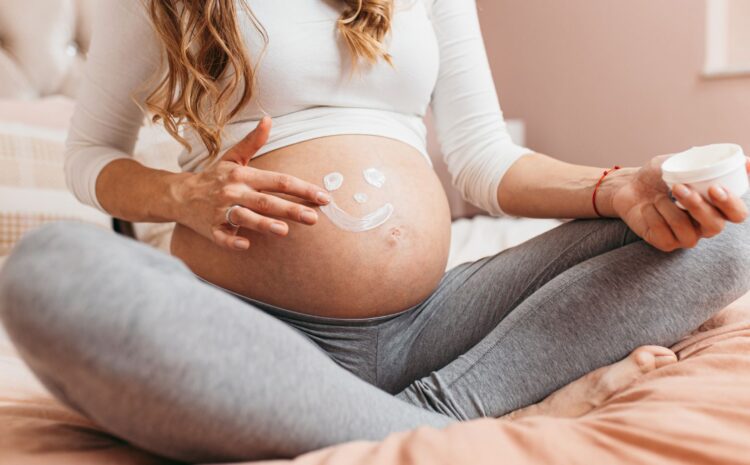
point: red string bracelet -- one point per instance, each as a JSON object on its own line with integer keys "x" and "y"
{"x": 596, "y": 188}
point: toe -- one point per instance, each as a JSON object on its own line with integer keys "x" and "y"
{"x": 649, "y": 358}
{"x": 595, "y": 388}
{"x": 624, "y": 373}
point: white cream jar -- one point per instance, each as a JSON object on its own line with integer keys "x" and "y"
{"x": 699, "y": 168}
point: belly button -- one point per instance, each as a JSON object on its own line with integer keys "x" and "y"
{"x": 394, "y": 235}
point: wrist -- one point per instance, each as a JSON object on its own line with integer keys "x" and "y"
{"x": 608, "y": 189}
{"x": 174, "y": 195}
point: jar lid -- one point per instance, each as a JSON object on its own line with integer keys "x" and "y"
{"x": 703, "y": 163}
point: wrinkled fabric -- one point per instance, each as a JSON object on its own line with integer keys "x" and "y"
{"x": 695, "y": 411}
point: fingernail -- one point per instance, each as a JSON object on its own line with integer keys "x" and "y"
{"x": 680, "y": 190}
{"x": 278, "y": 229}
{"x": 241, "y": 244}
{"x": 323, "y": 198}
{"x": 720, "y": 193}
{"x": 309, "y": 217}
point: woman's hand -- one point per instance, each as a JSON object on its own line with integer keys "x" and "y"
{"x": 205, "y": 197}
{"x": 642, "y": 200}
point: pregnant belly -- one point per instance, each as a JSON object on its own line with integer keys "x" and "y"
{"x": 380, "y": 250}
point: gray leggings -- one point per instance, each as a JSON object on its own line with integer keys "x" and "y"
{"x": 131, "y": 338}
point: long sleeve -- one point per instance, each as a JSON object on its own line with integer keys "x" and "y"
{"x": 123, "y": 58}
{"x": 470, "y": 128}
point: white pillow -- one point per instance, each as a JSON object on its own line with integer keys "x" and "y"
{"x": 482, "y": 236}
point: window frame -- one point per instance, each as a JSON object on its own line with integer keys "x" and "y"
{"x": 717, "y": 60}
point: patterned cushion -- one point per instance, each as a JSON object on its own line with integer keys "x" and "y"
{"x": 32, "y": 184}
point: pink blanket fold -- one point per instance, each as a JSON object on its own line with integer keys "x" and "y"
{"x": 695, "y": 411}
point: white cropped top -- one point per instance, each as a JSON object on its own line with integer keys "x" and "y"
{"x": 304, "y": 81}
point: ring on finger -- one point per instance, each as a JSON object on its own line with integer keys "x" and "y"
{"x": 228, "y": 216}
{"x": 671, "y": 196}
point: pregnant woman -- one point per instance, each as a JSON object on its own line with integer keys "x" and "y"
{"x": 309, "y": 305}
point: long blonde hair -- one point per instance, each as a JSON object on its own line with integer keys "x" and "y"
{"x": 208, "y": 67}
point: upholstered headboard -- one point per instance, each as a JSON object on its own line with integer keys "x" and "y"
{"x": 42, "y": 46}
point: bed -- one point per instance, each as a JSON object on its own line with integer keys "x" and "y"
{"x": 695, "y": 411}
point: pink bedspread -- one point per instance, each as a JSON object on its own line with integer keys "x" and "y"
{"x": 695, "y": 411}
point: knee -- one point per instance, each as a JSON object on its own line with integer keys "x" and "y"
{"x": 52, "y": 242}
{"x": 51, "y": 249}
{"x": 35, "y": 279}
{"x": 728, "y": 256}
{"x": 736, "y": 247}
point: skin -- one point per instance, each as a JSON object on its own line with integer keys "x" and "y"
{"x": 538, "y": 186}
{"x": 279, "y": 212}
{"x": 319, "y": 268}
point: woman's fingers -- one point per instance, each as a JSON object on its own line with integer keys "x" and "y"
{"x": 747, "y": 165}
{"x": 658, "y": 232}
{"x": 711, "y": 221}
{"x": 249, "y": 146}
{"x": 684, "y": 230}
{"x": 270, "y": 181}
{"x": 226, "y": 236}
{"x": 271, "y": 205}
{"x": 733, "y": 208}
{"x": 248, "y": 219}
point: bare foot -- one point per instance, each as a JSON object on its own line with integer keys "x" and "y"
{"x": 590, "y": 391}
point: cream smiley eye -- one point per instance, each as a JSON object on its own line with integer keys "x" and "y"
{"x": 333, "y": 181}
{"x": 374, "y": 177}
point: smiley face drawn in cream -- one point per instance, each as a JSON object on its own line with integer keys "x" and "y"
{"x": 346, "y": 221}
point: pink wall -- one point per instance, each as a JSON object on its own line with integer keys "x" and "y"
{"x": 611, "y": 81}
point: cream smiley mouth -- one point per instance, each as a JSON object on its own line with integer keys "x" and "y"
{"x": 347, "y": 221}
